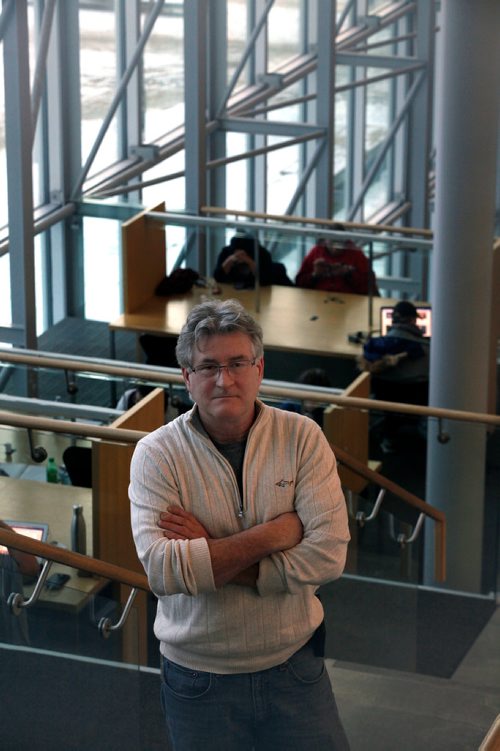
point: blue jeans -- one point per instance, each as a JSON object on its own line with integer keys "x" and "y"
{"x": 289, "y": 706}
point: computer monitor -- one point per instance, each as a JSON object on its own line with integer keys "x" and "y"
{"x": 424, "y": 320}
{"x": 36, "y": 530}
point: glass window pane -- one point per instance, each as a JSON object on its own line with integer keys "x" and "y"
{"x": 102, "y": 272}
{"x": 98, "y": 83}
{"x": 283, "y": 32}
{"x": 164, "y": 75}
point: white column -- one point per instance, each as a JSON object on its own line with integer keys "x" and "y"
{"x": 467, "y": 91}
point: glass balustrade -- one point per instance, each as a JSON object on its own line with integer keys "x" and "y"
{"x": 379, "y": 614}
{"x": 69, "y": 687}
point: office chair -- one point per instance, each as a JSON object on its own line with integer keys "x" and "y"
{"x": 159, "y": 350}
{"x": 78, "y": 463}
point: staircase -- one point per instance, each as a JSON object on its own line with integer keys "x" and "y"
{"x": 392, "y": 710}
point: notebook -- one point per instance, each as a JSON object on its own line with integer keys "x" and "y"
{"x": 424, "y": 322}
{"x": 36, "y": 530}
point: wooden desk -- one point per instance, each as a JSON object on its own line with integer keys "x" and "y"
{"x": 292, "y": 319}
{"x": 29, "y": 500}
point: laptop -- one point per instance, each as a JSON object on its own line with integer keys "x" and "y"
{"x": 36, "y": 530}
{"x": 424, "y": 321}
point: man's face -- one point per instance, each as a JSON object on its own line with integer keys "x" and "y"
{"x": 225, "y": 398}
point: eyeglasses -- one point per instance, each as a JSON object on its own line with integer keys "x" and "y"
{"x": 236, "y": 369}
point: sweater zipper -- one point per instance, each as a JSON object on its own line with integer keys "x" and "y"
{"x": 242, "y": 510}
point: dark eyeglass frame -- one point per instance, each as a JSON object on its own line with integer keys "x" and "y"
{"x": 236, "y": 368}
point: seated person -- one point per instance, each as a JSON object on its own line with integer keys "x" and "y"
{"x": 314, "y": 410}
{"x": 25, "y": 563}
{"x": 336, "y": 266}
{"x": 236, "y": 265}
{"x": 13, "y": 565}
{"x": 399, "y": 364}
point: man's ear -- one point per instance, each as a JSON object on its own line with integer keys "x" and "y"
{"x": 260, "y": 365}
{"x": 186, "y": 375}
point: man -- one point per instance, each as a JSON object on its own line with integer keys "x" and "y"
{"x": 399, "y": 363}
{"x": 14, "y": 564}
{"x": 238, "y": 516}
{"x": 336, "y": 266}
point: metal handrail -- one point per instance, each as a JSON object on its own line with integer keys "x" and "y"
{"x": 413, "y": 231}
{"x": 17, "y": 602}
{"x": 78, "y": 561}
{"x": 412, "y": 500}
{"x": 269, "y": 388}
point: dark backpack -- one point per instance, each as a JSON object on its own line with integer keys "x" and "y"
{"x": 177, "y": 283}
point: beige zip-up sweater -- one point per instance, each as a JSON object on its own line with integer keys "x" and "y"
{"x": 288, "y": 466}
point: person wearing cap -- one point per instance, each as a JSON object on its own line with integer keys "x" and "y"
{"x": 336, "y": 266}
{"x": 399, "y": 364}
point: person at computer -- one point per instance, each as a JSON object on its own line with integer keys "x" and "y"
{"x": 399, "y": 364}
{"x": 238, "y": 517}
{"x": 310, "y": 377}
{"x": 25, "y": 563}
{"x": 236, "y": 265}
{"x": 13, "y": 566}
{"x": 336, "y": 266}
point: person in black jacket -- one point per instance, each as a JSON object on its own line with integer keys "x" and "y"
{"x": 236, "y": 264}
{"x": 399, "y": 363}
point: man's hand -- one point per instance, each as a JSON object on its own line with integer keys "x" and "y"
{"x": 239, "y": 256}
{"x": 178, "y": 524}
{"x": 321, "y": 268}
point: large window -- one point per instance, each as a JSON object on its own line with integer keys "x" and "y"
{"x": 280, "y": 67}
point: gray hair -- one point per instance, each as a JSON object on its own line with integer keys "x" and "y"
{"x": 216, "y": 317}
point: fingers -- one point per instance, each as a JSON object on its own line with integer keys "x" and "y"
{"x": 178, "y": 524}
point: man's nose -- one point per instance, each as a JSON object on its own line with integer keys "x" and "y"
{"x": 223, "y": 372}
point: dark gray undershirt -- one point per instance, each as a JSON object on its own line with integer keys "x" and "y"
{"x": 233, "y": 452}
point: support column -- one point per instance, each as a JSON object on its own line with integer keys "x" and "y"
{"x": 18, "y": 143}
{"x": 325, "y": 108}
{"x": 468, "y": 86}
{"x": 195, "y": 86}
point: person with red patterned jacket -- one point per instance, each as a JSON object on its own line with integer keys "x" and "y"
{"x": 336, "y": 266}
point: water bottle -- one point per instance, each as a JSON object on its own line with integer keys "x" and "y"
{"x": 79, "y": 534}
{"x": 52, "y": 471}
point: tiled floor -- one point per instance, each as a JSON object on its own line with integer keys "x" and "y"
{"x": 385, "y": 710}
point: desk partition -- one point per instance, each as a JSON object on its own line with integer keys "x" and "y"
{"x": 293, "y": 319}
{"x": 113, "y": 540}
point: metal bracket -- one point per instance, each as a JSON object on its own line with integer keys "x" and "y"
{"x": 38, "y": 453}
{"x": 145, "y": 151}
{"x": 106, "y": 626}
{"x": 361, "y": 517}
{"x": 71, "y": 386}
{"x": 17, "y": 602}
{"x": 273, "y": 80}
{"x": 442, "y": 436}
{"x": 403, "y": 540}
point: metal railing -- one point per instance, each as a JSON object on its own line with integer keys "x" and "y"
{"x": 164, "y": 375}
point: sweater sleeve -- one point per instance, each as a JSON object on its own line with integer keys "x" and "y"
{"x": 172, "y": 566}
{"x": 319, "y": 501}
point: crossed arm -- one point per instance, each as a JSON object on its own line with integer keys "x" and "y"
{"x": 235, "y": 558}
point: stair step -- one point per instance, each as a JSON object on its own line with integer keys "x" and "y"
{"x": 388, "y": 710}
